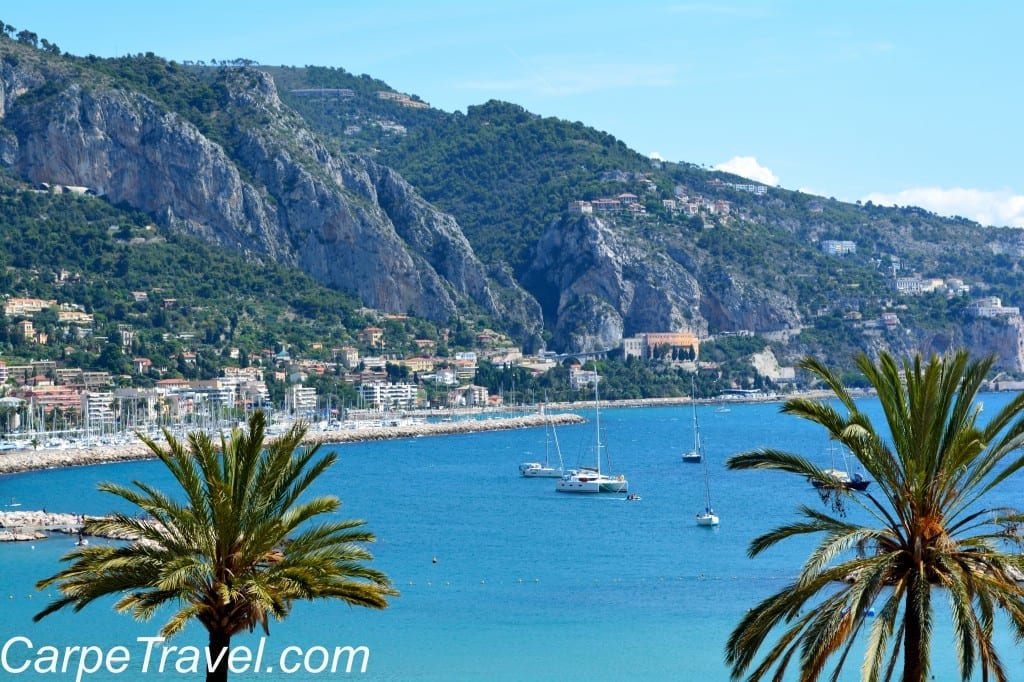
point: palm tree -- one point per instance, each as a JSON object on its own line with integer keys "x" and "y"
{"x": 929, "y": 529}
{"x": 235, "y": 547}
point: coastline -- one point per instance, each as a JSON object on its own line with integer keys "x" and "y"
{"x": 19, "y": 461}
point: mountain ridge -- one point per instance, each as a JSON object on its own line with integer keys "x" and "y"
{"x": 419, "y": 211}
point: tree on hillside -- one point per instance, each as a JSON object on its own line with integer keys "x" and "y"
{"x": 930, "y": 529}
{"x": 28, "y": 38}
{"x": 232, "y": 548}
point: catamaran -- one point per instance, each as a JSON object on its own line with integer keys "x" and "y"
{"x": 590, "y": 479}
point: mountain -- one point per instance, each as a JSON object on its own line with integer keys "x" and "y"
{"x": 214, "y": 153}
{"x": 496, "y": 212}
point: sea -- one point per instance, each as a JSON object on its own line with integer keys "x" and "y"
{"x": 501, "y": 577}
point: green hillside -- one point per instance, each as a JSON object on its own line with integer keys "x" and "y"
{"x": 79, "y": 250}
{"x": 507, "y": 176}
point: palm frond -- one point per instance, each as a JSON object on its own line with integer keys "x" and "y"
{"x": 237, "y": 545}
{"x": 933, "y": 463}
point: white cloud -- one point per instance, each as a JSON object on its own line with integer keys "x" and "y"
{"x": 656, "y": 156}
{"x": 748, "y": 167}
{"x": 1000, "y": 208}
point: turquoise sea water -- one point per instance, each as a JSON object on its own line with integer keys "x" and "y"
{"x": 529, "y": 584}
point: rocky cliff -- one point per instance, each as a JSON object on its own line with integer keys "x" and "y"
{"x": 599, "y": 281}
{"x": 276, "y": 191}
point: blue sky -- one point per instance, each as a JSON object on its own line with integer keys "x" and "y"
{"x": 898, "y": 102}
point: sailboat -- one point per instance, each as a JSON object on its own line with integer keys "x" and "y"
{"x": 545, "y": 470}
{"x": 708, "y": 517}
{"x": 695, "y": 455}
{"x": 590, "y": 479}
{"x": 839, "y": 477}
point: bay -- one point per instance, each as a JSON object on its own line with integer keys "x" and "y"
{"x": 501, "y": 577}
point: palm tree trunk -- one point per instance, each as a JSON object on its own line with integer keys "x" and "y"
{"x": 219, "y": 642}
{"x": 912, "y": 670}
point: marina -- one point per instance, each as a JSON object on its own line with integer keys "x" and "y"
{"x": 132, "y": 449}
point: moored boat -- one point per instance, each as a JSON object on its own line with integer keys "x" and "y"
{"x": 590, "y": 479}
{"x": 695, "y": 455}
{"x": 545, "y": 469}
{"x": 839, "y": 478}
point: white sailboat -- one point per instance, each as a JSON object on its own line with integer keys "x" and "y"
{"x": 544, "y": 469}
{"x": 708, "y": 517}
{"x": 590, "y": 479}
{"x": 840, "y": 477}
{"x": 696, "y": 455}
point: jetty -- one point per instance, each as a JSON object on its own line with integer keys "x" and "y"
{"x": 37, "y": 525}
{"x": 14, "y": 461}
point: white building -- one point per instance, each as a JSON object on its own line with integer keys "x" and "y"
{"x": 582, "y": 378}
{"x": 300, "y": 401}
{"x": 98, "y": 411}
{"x": 992, "y": 306}
{"x": 469, "y": 396}
{"x": 633, "y": 347}
{"x": 380, "y": 396}
{"x": 838, "y": 247}
{"x": 909, "y": 286}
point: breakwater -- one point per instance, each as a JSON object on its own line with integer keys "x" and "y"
{"x": 34, "y": 460}
{"x": 36, "y": 525}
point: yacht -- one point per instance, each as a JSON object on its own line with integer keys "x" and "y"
{"x": 590, "y": 479}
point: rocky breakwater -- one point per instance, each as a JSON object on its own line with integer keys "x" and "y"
{"x": 36, "y": 525}
{"x": 418, "y": 429}
{"x": 35, "y": 460}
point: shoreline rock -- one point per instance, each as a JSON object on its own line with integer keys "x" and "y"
{"x": 20, "y": 526}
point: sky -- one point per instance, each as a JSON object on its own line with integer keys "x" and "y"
{"x": 905, "y": 103}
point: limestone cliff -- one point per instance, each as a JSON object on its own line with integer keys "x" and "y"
{"x": 276, "y": 191}
{"x": 1003, "y": 338}
{"x": 599, "y": 281}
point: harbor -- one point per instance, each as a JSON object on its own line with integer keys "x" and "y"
{"x": 15, "y": 461}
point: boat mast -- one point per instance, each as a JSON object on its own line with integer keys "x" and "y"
{"x": 707, "y": 487}
{"x": 696, "y": 429}
{"x": 597, "y": 422}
